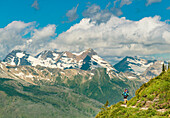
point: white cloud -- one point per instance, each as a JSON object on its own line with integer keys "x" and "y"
{"x": 72, "y": 14}
{"x": 121, "y": 3}
{"x": 39, "y": 39}
{"x": 91, "y": 10}
{"x": 149, "y": 2}
{"x": 166, "y": 36}
{"x": 44, "y": 33}
{"x": 12, "y": 35}
{"x": 114, "y": 37}
{"x": 95, "y": 13}
{"x": 125, "y": 2}
{"x": 116, "y": 11}
{"x": 115, "y": 2}
{"x": 118, "y": 36}
{"x": 35, "y": 5}
{"x": 16, "y": 36}
{"x": 168, "y": 8}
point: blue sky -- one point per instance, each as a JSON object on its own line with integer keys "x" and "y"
{"x": 54, "y": 11}
{"x": 48, "y": 21}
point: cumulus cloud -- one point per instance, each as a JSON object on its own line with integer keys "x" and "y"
{"x": 13, "y": 36}
{"x": 95, "y": 13}
{"x": 149, "y": 2}
{"x": 114, "y": 37}
{"x": 44, "y": 33}
{"x": 39, "y": 39}
{"x": 35, "y": 5}
{"x": 168, "y": 8}
{"x": 118, "y": 36}
{"x": 72, "y": 14}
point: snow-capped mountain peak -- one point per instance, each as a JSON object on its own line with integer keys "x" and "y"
{"x": 134, "y": 65}
{"x": 48, "y": 54}
{"x": 17, "y": 57}
{"x": 85, "y": 60}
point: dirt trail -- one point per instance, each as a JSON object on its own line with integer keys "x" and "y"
{"x": 144, "y": 108}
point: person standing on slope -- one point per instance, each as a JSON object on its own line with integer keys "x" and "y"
{"x": 125, "y": 95}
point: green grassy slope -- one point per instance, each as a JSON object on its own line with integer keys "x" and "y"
{"x": 153, "y": 96}
{"x": 95, "y": 84}
{"x": 100, "y": 87}
{"x": 21, "y": 101}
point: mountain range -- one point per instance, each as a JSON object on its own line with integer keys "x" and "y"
{"x": 83, "y": 74}
{"x": 132, "y": 67}
{"x": 85, "y": 60}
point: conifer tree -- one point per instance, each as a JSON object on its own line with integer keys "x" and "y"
{"x": 163, "y": 67}
{"x": 105, "y": 106}
{"x": 107, "y": 103}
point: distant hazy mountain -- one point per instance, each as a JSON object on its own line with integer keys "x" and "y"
{"x": 134, "y": 67}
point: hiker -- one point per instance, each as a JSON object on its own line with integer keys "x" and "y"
{"x": 125, "y": 95}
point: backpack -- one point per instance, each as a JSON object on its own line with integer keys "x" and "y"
{"x": 125, "y": 94}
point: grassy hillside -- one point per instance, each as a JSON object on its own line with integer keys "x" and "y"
{"x": 59, "y": 93}
{"x": 18, "y": 100}
{"x": 152, "y": 100}
{"x": 95, "y": 84}
{"x": 100, "y": 87}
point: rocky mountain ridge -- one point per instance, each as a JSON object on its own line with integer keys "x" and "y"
{"x": 83, "y": 73}
{"x": 136, "y": 67}
{"x": 85, "y": 60}
{"x": 131, "y": 67}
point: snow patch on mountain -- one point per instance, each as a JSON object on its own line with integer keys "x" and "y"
{"x": 102, "y": 62}
{"x": 29, "y": 76}
{"x": 20, "y": 55}
{"x": 39, "y": 61}
{"x": 20, "y": 74}
{"x": 78, "y": 54}
{"x": 85, "y": 60}
{"x": 12, "y": 62}
{"x": 55, "y": 56}
{"x": 136, "y": 67}
{"x": 131, "y": 77}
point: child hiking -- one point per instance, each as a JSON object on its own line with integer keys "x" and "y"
{"x": 125, "y": 95}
